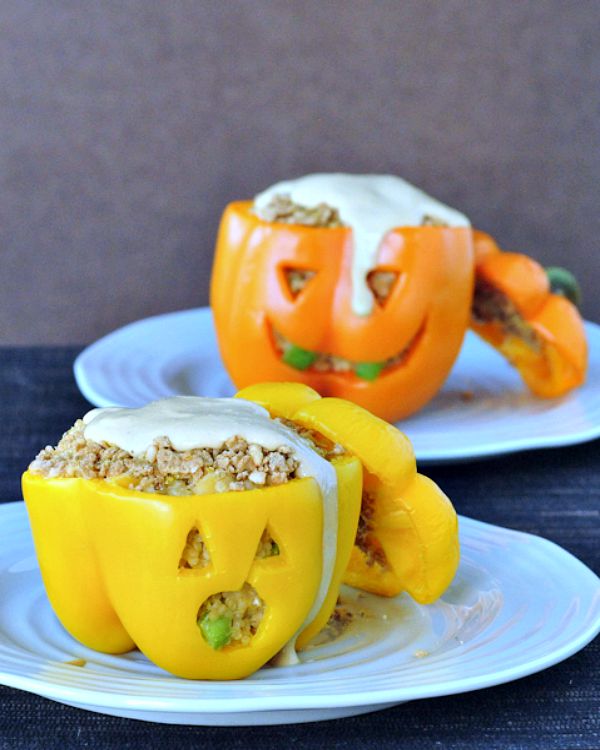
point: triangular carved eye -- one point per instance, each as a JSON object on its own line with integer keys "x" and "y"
{"x": 195, "y": 553}
{"x": 267, "y": 547}
{"x": 381, "y": 282}
{"x": 297, "y": 279}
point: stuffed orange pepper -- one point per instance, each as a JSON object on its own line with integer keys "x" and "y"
{"x": 365, "y": 295}
{"x": 361, "y": 286}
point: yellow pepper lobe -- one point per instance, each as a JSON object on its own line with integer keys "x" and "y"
{"x": 74, "y": 582}
{"x": 280, "y": 399}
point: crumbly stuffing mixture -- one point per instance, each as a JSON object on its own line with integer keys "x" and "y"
{"x": 345, "y": 613}
{"x": 339, "y": 620}
{"x": 236, "y": 465}
{"x": 319, "y": 443}
{"x": 244, "y": 609}
{"x": 267, "y": 546}
{"x": 297, "y": 279}
{"x": 381, "y": 284}
{"x": 365, "y": 540}
{"x": 282, "y": 208}
{"x": 332, "y": 363}
{"x": 491, "y": 305}
{"x": 195, "y": 554}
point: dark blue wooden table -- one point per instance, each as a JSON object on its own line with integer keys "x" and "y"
{"x": 555, "y": 493}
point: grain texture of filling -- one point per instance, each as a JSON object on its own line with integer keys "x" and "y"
{"x": 283, "y": 210}
{"x": 235, "y": 466}
{"x": 490, "y": 305}
{"x": 231, "y": 618}
{"x": 365, "y": 537}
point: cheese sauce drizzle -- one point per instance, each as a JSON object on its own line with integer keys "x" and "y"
{"x": 371, "y": 205}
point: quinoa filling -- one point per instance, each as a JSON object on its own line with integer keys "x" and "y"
{"x": 365, "y": 539}
{"x": 235, "y": 466}
{"x": 322, "y": 445}
{"x": 490, "y": 305}
{"x": 282, "y": 209}
{"x": 196, "y": 555}
{"x": 380, "y": 282}
{"x": 231, "y": 618}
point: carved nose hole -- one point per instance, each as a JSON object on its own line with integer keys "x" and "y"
{"x": 195, "y": 554}
{"x": 381, "y": 282}
{"x": 297, "y": 279}
{"x": 231, "y": 618}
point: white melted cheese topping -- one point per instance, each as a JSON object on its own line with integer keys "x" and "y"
{"x": 192, "y": 422}
{"x": 371, "y": 205}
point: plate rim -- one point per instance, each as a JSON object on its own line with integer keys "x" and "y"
{"x": 98, "y": 700}
{"x": 449, "y": 455}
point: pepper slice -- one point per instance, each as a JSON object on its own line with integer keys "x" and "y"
{"x": 411, "y": 519}
{"x": 547, "y": 342}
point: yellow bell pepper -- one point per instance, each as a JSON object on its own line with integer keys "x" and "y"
{"x": 110, "y": 560}
{"x": 406, "y": 518}
{"x": 111, "y": 556}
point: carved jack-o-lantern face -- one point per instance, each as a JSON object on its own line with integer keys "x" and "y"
{"x": 125, "y": 568}
{"x": 231, "y": 526}
{"x": 282, "y": 300}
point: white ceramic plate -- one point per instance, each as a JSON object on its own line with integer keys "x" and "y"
{"x": 496, "y": 623}
{"x": 177, "y": 353}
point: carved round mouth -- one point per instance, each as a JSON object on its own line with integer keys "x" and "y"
{"x": 323, "y": 363}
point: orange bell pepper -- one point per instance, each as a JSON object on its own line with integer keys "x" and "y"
{"x": 396, "y": 358}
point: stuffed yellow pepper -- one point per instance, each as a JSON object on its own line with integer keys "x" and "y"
{"x": 208, "y": 533}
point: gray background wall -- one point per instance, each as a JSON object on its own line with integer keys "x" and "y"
{"x": 126, "y": 126}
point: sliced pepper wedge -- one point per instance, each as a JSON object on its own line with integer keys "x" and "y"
{"x": 553, "y": 359}
{"x": 411, "y": 520}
